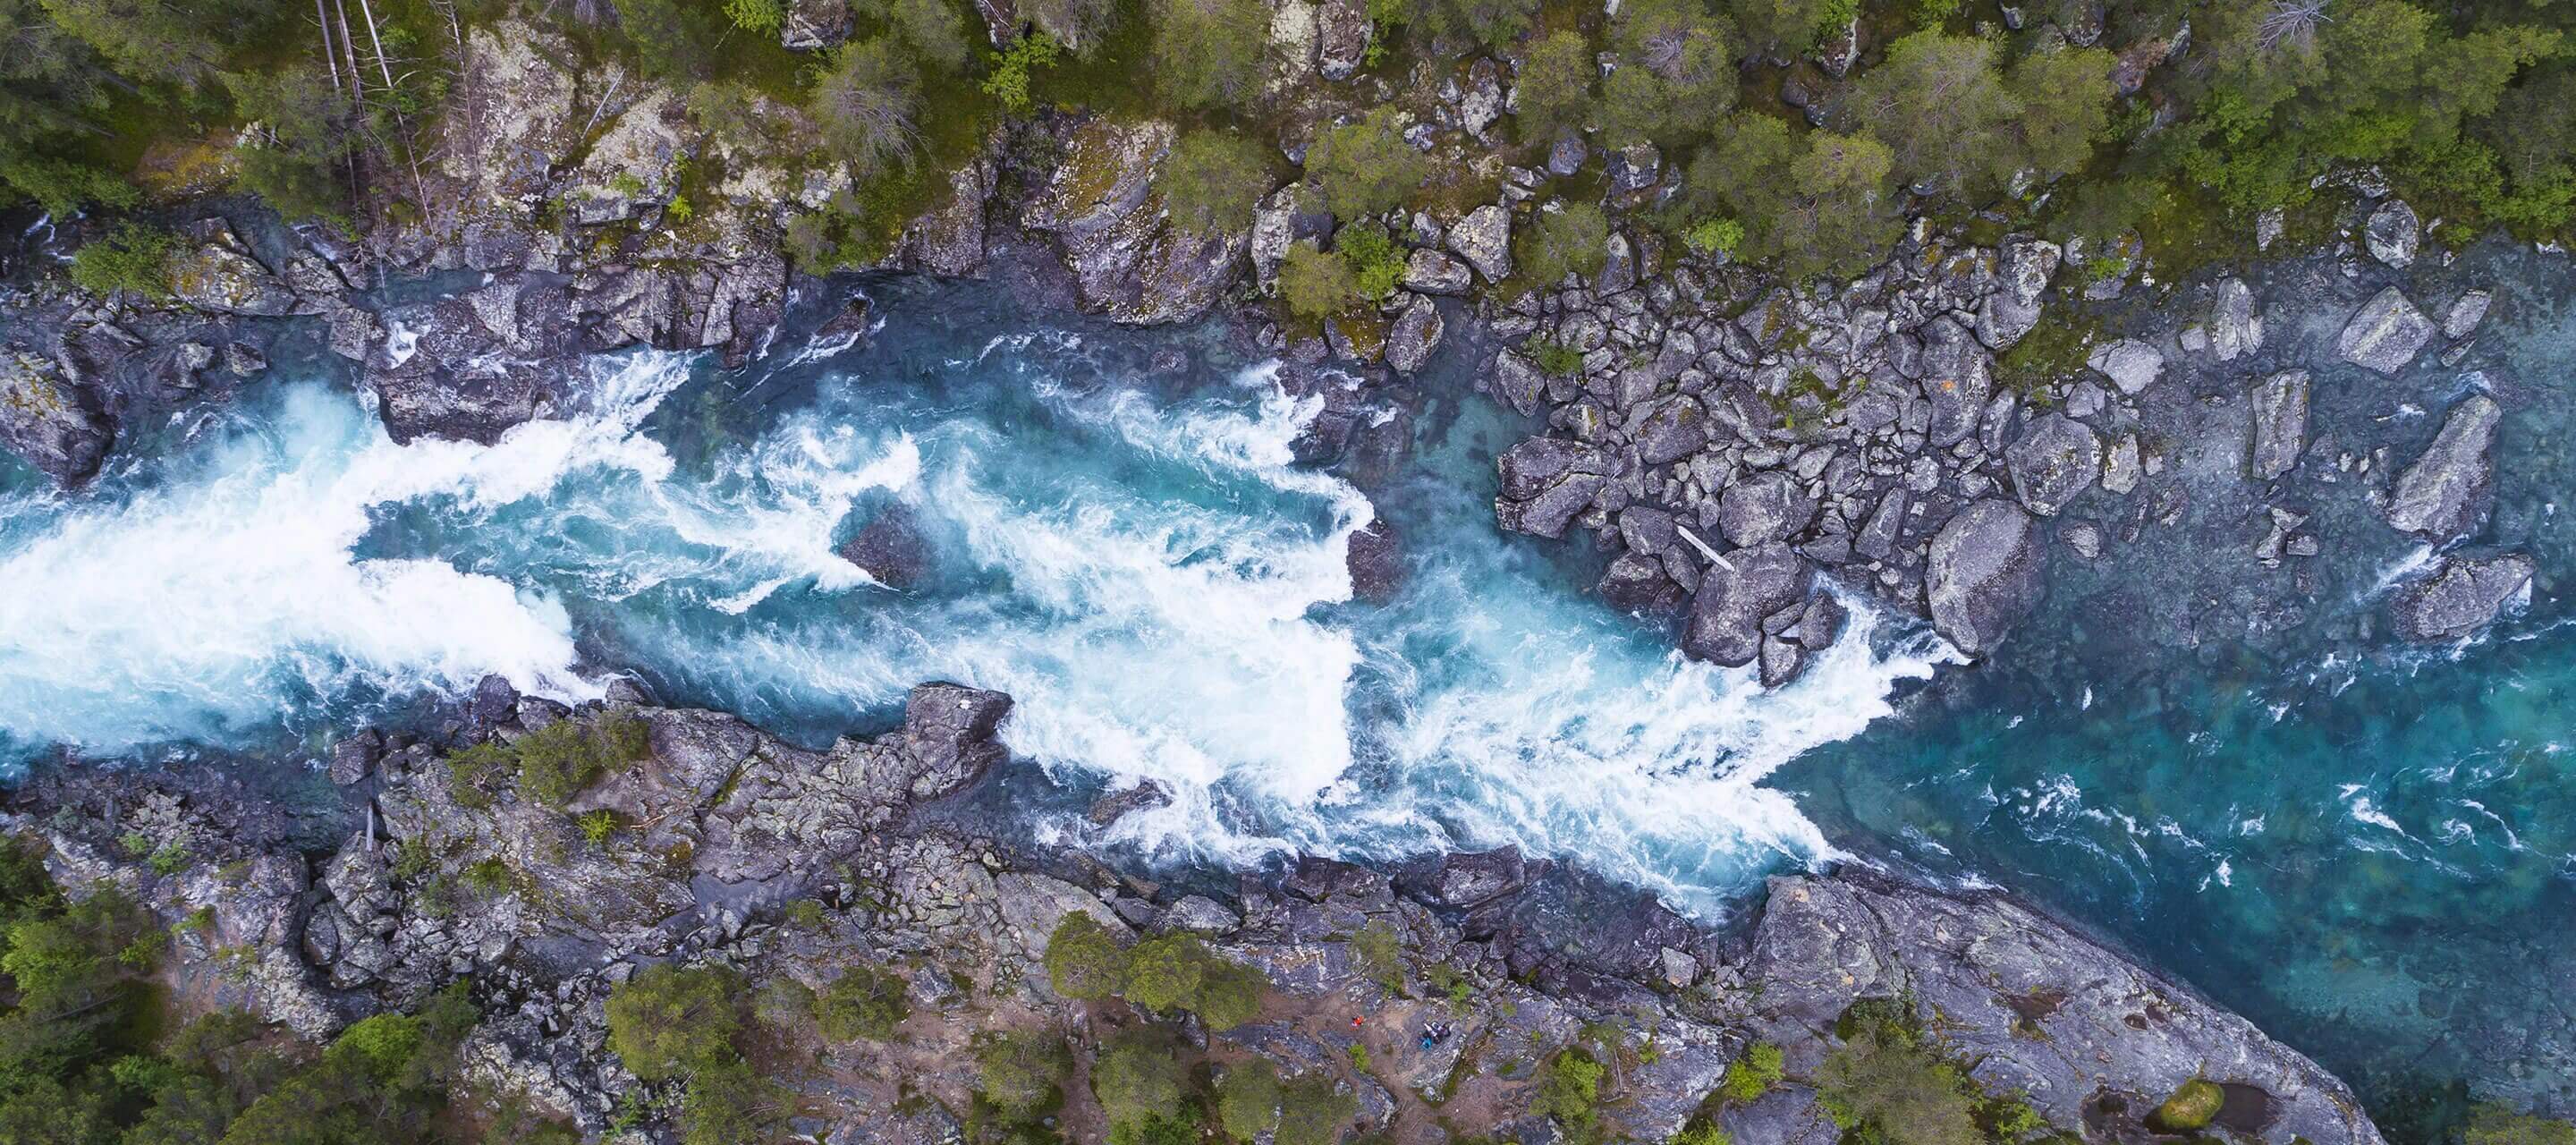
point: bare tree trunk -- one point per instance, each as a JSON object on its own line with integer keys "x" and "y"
{"x": 349, "y": 44}
{"x": 323, "y": 17}
{"x": 369, "y": 11}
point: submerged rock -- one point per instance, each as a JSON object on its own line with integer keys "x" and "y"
{"x": 1984, "y": 574}
{"x": 2461, "y": 597}
{"x": 2465, "y": 314}
{"x": 2443, "y": 495}
{"x": 2386, "y": 334}
{"x": 890, "y": 548}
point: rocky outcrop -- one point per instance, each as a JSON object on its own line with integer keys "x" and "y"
{"x": 1130, "y": 260}
{"x": 2460, "y": 596}
{"x": 48, "y": 422}
{"x": 1737, "y": 594}
{"x": 1984, "y": 574}
{"x": 2085, "y": 1036}
{"x": 2444, "y": 494}
{"x": 2385, "y": 334}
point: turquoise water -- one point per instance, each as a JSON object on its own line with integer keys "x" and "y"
{"x": 2363, "y": 846}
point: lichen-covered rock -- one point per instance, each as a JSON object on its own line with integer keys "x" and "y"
{"x": 1484, "y": 239}
{"x": 2462, "y": 596}
{"x": 1765, "y": 507}
{"x": 2385, "y": 334}
{"x": 47, "y": 421}
{"x": 634, "y": 166}
{"x": 2444, "y": 494}
{"x": 1984, "y": 574}
{"x": 1130, "y": 260}
{"x": 2280, "y": 424}
{"x": 1342, "y": 33}
{"x": 812, "y": 25}
{"x": 1546, "y": 481}
{"x": 223, "y": 279}
{"x": 2054, "y": 461}
{"x": 1415, "y": 335}
{"x": 2013, "y": 310}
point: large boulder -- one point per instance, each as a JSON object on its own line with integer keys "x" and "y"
{"x": 2386, "y": 334}
{"x": 1415, "y": 335}
{"x": 1546, "y": 481}
{"x": 2085, "y": 1036}
{"x": 1737, "y": 592}
{"x": 2280, "y": 424}
{"x": 2235, "y": 330}
{"x": 1957, "y": 378}
{"x": 1674, "y": 428}
{"x": 2392, "y": 233}
{"x": 2460, "y": 597}
{"x": 1985, "y": 574}
{"x": 2444, "y": 494}
{"x": 948, "y": 736}
{"x": 221, "y": 278}
{"x": 2054, "y": 461}
{"x": 2013, "y": 311}
{"x": 1484, "y": 239}
{"x": 2131, "y": 364}
{"x": 48, "y": 421}
{"x": 1763, "y": 507}
{"x": 1130, "y": 260}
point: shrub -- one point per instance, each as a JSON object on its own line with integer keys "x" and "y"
{"x": 558, "y": 760}
{"x": 932, "y": 28}
{"x": 1022, "y": 1072}
{"x": 1569, "y": 1090}
{"x": 1211, "y": 53}
{"x": 1137, "y": 1079}
{"x": 866, "y": 1002}
{"x": 868, "y": 106}
{"x": 2193, "y": 1106}
{"x": 1380, "y": 952}
{"x": 133, "y": 258}
{"x": 667, "y": 1020}
{"x": 1376, "y": 262}
{"x": 1574, "y": 240}
{"x": 1083, "y": 959}
{"x": 1009, "y": 81}
{"x": 1316, "y": 284}
{"x": 1699, "y": 1132}
{"x": 1752, "y": 1075}
{"x": 597, "y": 826}
{"x": 1884, "y": 1081}
{"x": 1366, "y": 168}
{"x": 727, "y": 1102}
{"x": 1717, "y": 236}
{"x": 1247, "y": 1099}
{"x": 762, "y": 16}
{"x": 489, "y": 877}
{"x": 471, "y": 773}
{"x": 1314, "y": 1111}
{"x": 1213, "y": 179}
{"x": 1554, "y": 357}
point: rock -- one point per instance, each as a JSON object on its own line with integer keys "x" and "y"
{"x": 1518, "y": 382}
{"x": 220, "y": 279}
{"x": 1735, "y": 594}
{"x": 1484, "y": 239}
{"x": 1674, "y": 428}
{"x": 1199, "y": 914}
{"x": 2443, "y": 495}
{"x": 1142, "y": 795}
{"x": 1762, "y": 508}
{"x": 1983, "y": 575}
{"x": 2013, "y": 311}
{"x": 1958, "y": 378}
{"x": 1546, "y": 481}
{"x": 634, "y": 167}
{"x": 2465, "y": 314}
{"x": 1129, "y": 259}
{"x": 354, "y": 758}
{"x": 2088, "y": 1038}
{"x": 2084, "y": 538}
{"x": 2121, "y": 468}
{"x": 2391, "y": 233}
{"x": 891, "y": 548}
{"x": 1415, "y": 336}
{"x": 2268, "y": 227}
{"x": 2386, "y": 334}
{"x": 1375, "y": 561}
{"x": 812, "y": 25}
{"x": 1466, "y": 880}
{"x": 1821, "y": 624}
{"x": 2460, "y": 597}
{"x": 1566, "y": 155}
{"x": 1033, "y": 905}
{"x": 2280, "y": 424}
{"x": 2131, "y": 365}
{"x": 1633, "y": 168}
{"x": 1431, "y": 272}
{"x": 949, "y": 240}
{"x": 948, "y": 736}
{"x": 1482, "y": 102}
{"x": 2055, "y": 460}
{"x": 49, "y": 422}
{"x": 1342, "y": 31}
{"x": 2234, "y": 329}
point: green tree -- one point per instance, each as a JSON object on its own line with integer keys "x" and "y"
{"x": 1494, "y": 23}
{"x": 761, "y": 16}
{"x": 868, "y": 106}
{"x": 864, "y": 1002}
{"x": 1316, "y": 284}
{"x": 667, "y": 1020}
{"x": 1555, "y": 89}
{"x": 1572, "y": 240}
{"x": 1569, "y": 1090}
{"x": 674, "y": 39}
{"x": 1838, "y": 217}
{"x": 1211, "y": 53}
{"x": 1314, "y": 1110}
{"x": 1212, "y": 180}
{"x": 1940, "y": 108}
{"x": 1884, "y": 1081}
{"x": 1247, "y": 1099}
{"x": 135, "y": 257}
{"x": 934, "y": 29}
{"x": 1165, "y": 973}
{"x": 1791, "y": 27}
{"x": 182, "y": 43}
{"x": 2065, "y": 97}
{"x": 1083, "y": 959}
{"x": 307, "y": 130}
{"x": 1366, "y": 168}
{"x": 1676, "y": 76}
{"x": 1137, "y": 1079}
{"x": 1022, "y": 1072}
{"x": 728, "y": 1102}
{"x": 1752, "y": 1075}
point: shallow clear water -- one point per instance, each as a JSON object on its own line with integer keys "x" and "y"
{"x": 2365, "y": 847}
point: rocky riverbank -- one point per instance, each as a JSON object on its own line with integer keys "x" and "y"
{"x": 710, "y": 843}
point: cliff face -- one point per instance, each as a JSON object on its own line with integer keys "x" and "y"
{"x": 1432, "y": 998}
